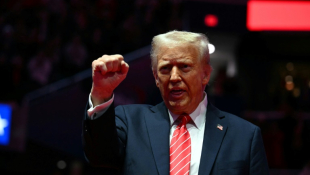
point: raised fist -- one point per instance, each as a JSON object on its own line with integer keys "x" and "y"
{"x": 108, "y": 72}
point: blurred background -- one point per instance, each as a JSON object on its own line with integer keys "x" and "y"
{"x": 260, "y": 59}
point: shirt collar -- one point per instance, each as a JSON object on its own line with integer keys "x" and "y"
{"x": 198, "y": 116}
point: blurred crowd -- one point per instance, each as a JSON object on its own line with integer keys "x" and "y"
{"x": 43, "y": 41}
{"x": 285, "y": 126}
{"x": 46, "y": 40}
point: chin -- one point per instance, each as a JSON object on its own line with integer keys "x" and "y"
{"x": 177, "y": 107}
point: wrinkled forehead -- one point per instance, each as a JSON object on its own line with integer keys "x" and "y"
{"x": 175, "y": 51}
{"x": 175, "y": 61}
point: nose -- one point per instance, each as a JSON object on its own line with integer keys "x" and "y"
{"x": 175, "y": 74}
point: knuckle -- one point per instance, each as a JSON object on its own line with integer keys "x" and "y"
{"x": 95, "y": 63}
{"x": 100, "y": 64}
{"x": 118, "y": 56}
{"x": 103, "y": 57}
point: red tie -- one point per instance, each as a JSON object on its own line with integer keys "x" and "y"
{"x": 180, "y": 148}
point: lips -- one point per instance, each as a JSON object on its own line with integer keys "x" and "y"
{"x": 177, "y": 93}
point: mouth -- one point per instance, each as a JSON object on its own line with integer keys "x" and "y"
{"x": 177, "y": 93}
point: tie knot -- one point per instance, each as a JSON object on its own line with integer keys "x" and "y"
{"x": 185, "y": 119}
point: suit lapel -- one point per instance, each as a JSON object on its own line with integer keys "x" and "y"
{"x": 158, "y": 127}
{"x": 213, "y": 138}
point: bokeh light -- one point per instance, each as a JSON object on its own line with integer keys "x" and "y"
{"x": 211, "y": 20}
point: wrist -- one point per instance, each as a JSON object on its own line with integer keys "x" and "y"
{"x": 99, "y": 96}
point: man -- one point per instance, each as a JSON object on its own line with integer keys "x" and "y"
{"x": 182, "y": 135}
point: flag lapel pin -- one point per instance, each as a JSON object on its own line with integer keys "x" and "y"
{"x": 220, "y": 127}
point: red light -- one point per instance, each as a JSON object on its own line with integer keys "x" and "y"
{"x": 278, "y": 15}
{"x": 211, "y": 20}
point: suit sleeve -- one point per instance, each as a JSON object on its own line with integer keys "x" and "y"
{"x": 258, "y": 163}
{"x": 104, "y": 139}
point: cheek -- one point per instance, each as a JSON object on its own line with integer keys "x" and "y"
{"x": 159, "y": 83}
{"x": 162, "y": 80}
{"x": 195, "y": 84}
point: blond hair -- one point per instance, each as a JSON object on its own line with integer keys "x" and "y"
{"x": 172, "y": 38}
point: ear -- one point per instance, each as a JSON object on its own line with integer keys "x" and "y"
{"x": 156, "y": 77}
{"x": 206, "y": 74}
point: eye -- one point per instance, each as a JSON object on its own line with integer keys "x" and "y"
{"x": 164, "y": 69}
{"x": 185, "y": 67}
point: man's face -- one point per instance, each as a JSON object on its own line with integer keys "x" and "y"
{"x": 181, "y": 77}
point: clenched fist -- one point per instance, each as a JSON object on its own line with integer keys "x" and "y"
{"x": 108, "y": 72}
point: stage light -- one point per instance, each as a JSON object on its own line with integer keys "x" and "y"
{"x": 278, "y": 15}
{"x": 211, "y": 48}
{"x": 211, "y": 20}
{"x": 5, "y": 124}
{"x": 61, "y": 164}
{"x": 288, "y": 78}
{"x": 289, "y": 86}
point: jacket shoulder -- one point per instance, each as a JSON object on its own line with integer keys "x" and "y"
{"x": 238, "y": 122}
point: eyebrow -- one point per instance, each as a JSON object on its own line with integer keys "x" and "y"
{"x": 184, "y": 60}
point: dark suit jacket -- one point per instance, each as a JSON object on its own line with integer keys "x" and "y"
{"x": 135, "y": 139}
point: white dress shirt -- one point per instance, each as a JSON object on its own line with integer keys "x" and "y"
{"x": 196, "y": 130}
{"x": 96, "y": 111}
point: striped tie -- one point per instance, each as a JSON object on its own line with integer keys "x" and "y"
{"x": 180, "y": 148}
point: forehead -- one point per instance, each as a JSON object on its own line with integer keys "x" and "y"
{"x": 178, "y": 52}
